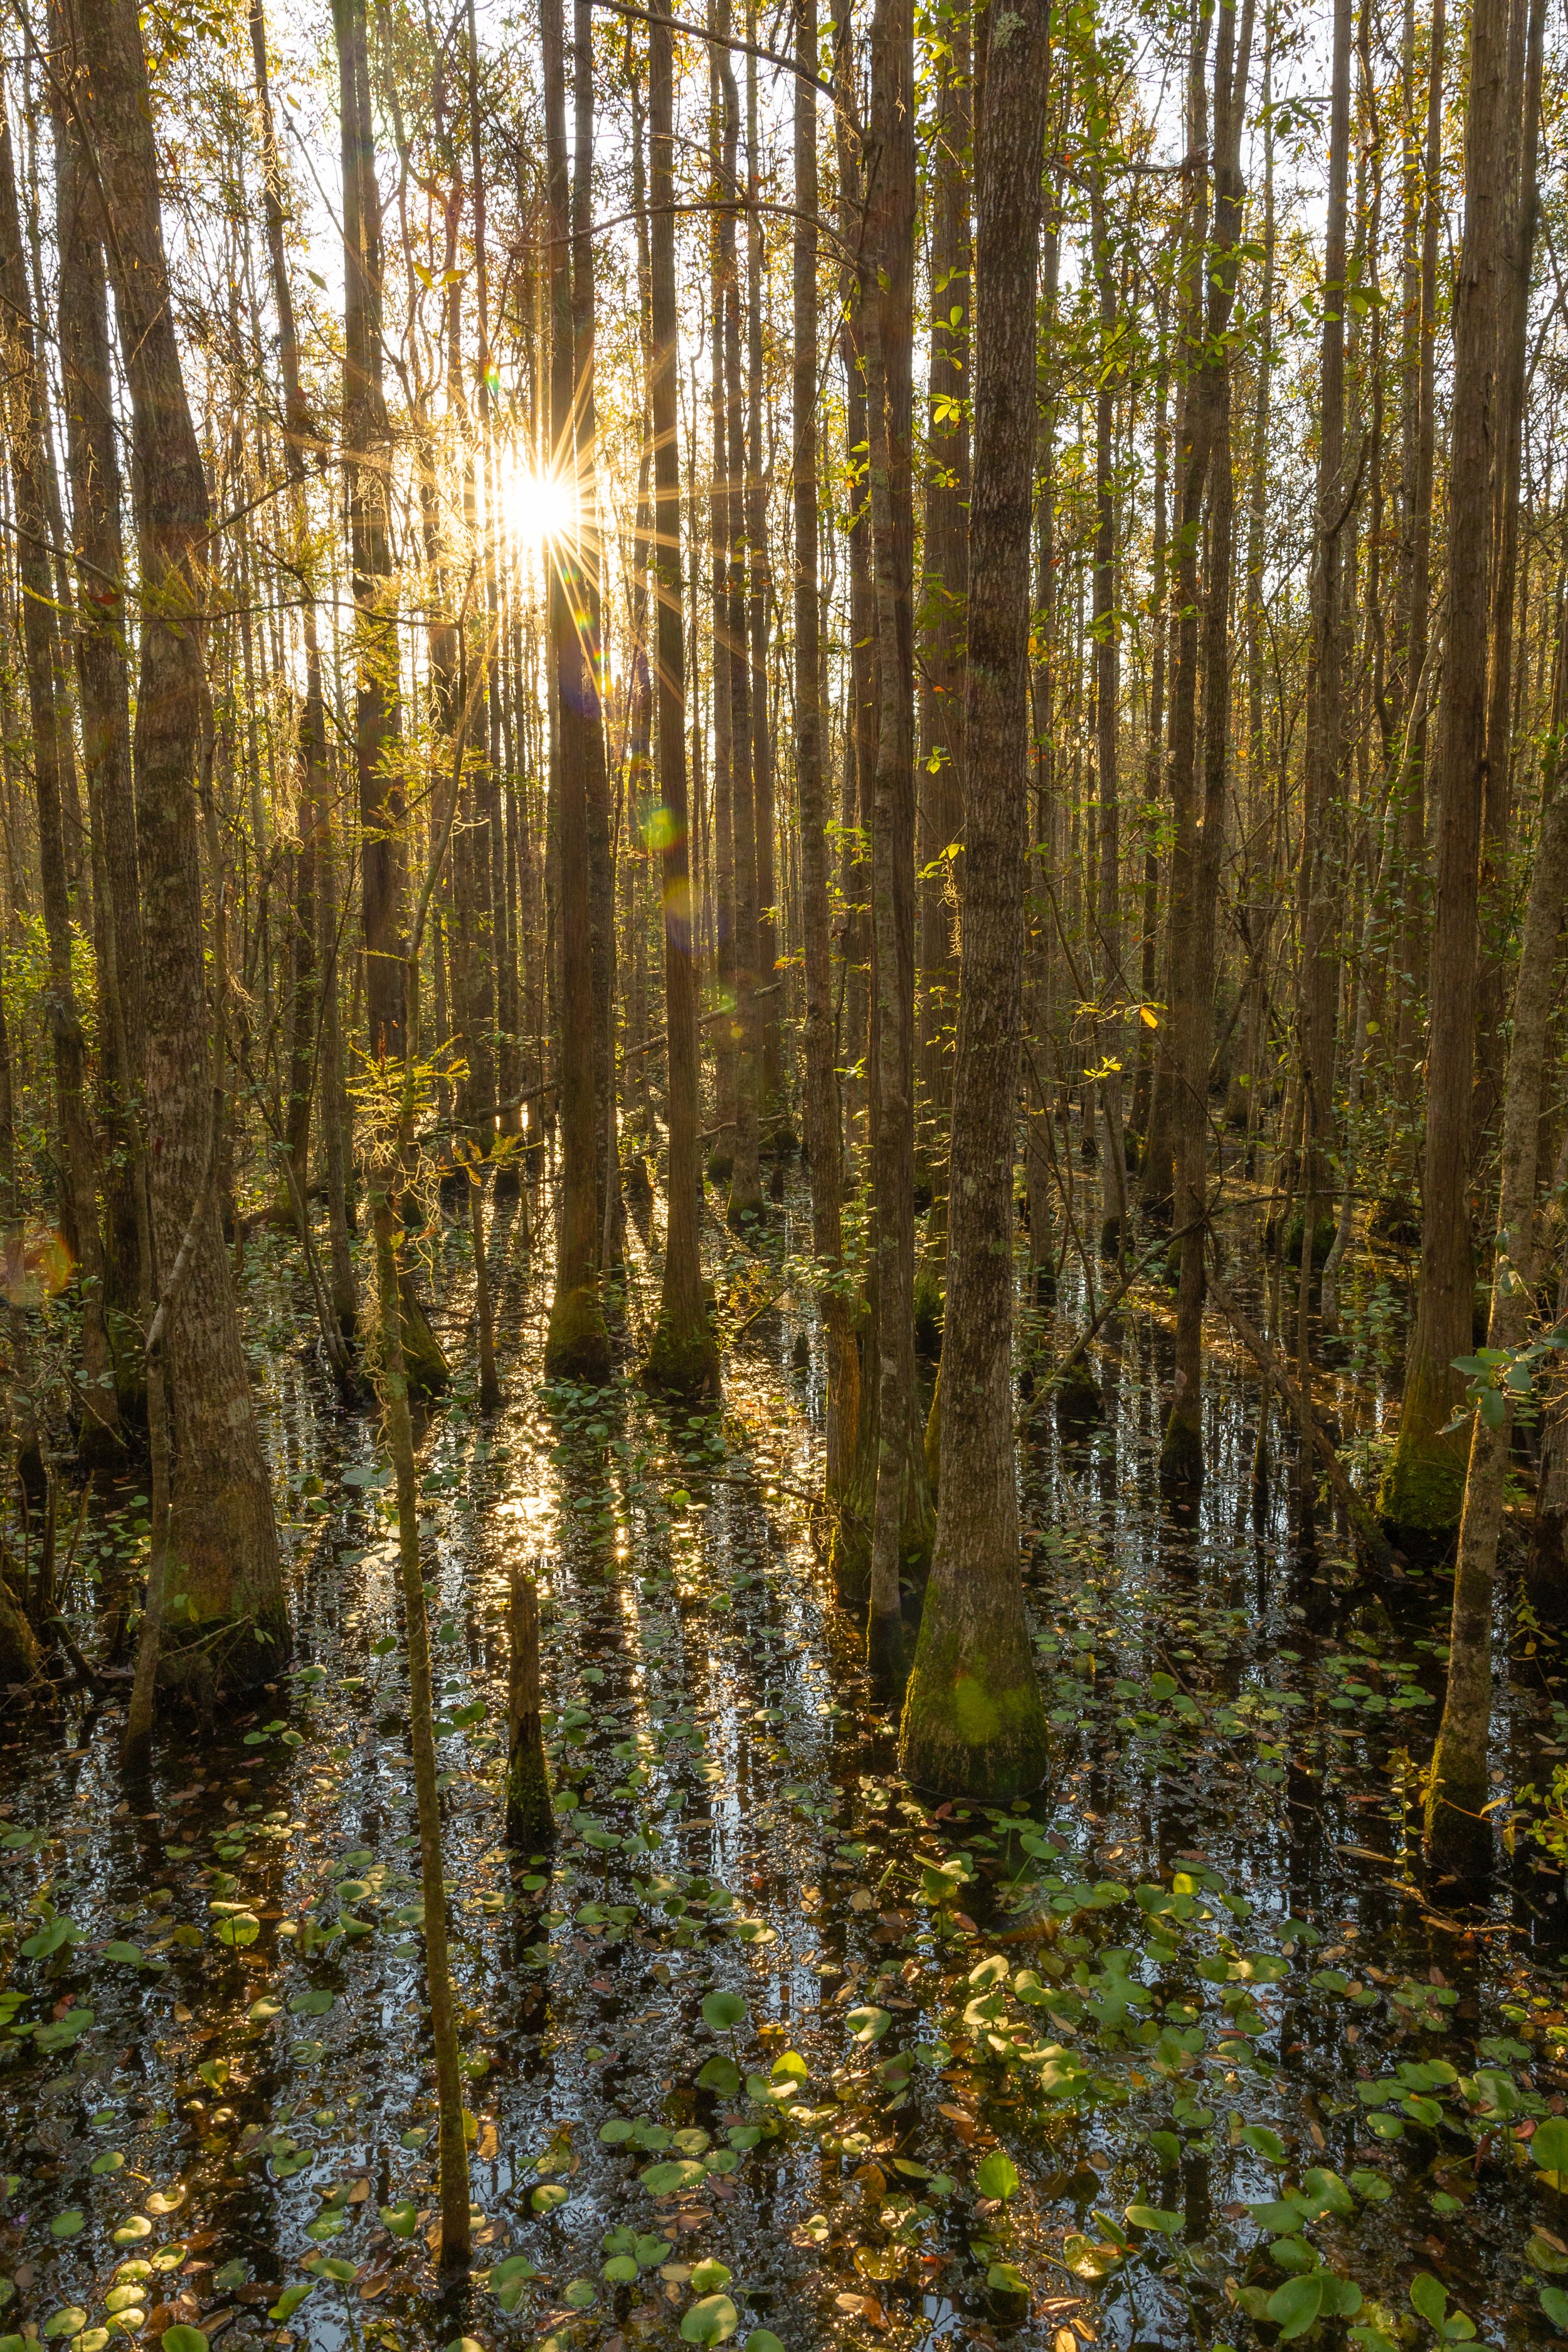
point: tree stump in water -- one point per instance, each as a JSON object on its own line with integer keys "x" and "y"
{"x": 529, "y": 1815}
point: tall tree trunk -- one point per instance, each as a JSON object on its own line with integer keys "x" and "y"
{"x": 855, "y": 288}
{"x": 1042, "y": 950}
{"x": 973, "y": 1724}
{"x": 367, "y": 444}
{"x": 759, "y": 597}
{"x": 723, "y": 134}
{"x": 824, "y": 1134}
{"x": 596, "y": 773}
{"x": 683, "y": 1357}
{"x": 853, "y": 1498}
{"x": 501, "y": 1007}
{"x": 226, "y": 1624}
{"x": 900, "y": 1536}
{"x": 378, "y": 717}
{"x": 577, "y": 1344}
{"x": 1206, "y": 480}
{"x": 1149, "y": 959}
{"x": 1157, "y": 1178}
{"x": 941, "y": 616}
{"x": 745, "y": 1178}
{"x": 343, "y": 1281}
{"x": 49, "y": 711}
{"x": 314, "y": 779}
{"x": 1423, "y": 1488}
{"x": 1422, "y": 391}
{"x": 92, "y": 461}
{"x": 1527, "y": 40}
{"x": 1458, "y": 1836}
{"x": 1241, "y": 1104}
{"x": 1109, "y": 1047}
{"x": 1323, "y": 823}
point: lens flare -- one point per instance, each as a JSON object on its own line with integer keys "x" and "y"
{"x": 538, "y": 509}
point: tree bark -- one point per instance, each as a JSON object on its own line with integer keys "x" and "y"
{"x": 609, "y": 1207}
{"x": 1149, "y": 960}
{"x": 1527, "y": 39}
{"x": 945, "y": 589}
{"x": 228, "y": 1625}
{"x": 577, "y": 1344}
{"x": 1207, "y": 479}
{"x": 1109, "y": 1047}
{"x": 1158, "y": 1172}
{"x": 901, "y": 1538}
{"x": 973, "y": 1724}
{"x": 1457, "y": 1839}
{"x": 314, "y": 778}
{"x": 367, "y": 447}
{"x": 824, "y": 1134}
{"x": 853, "y": 1498}
{"x": 745, "y": 1201}
{"x": 1423, "y": 1488}
{"x": 759, "y": 611}
{"x": 1422, "y": 394}
{"x": 1323, "y": 782}
{"x": 683, "y": 1357}
{"x": 50, "y": 712}
{"x": 94, "y": 465}
{"x": 723, "y": 134}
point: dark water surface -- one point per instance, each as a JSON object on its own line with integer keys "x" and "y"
{"x": 1117, "y": 2067}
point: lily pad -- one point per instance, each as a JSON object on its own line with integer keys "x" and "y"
{"x": 713, "y": 2320}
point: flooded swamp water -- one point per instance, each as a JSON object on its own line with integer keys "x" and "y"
{"x": 1179, "y": 2054}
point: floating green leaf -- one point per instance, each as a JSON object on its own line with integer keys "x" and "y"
{"x": 1297, "y": 2306}
{"x": 712, "y": 2321}
{"x": 1429, "y": 2301}
{"x": 663, "y": 2179}
{"x": 997, "y": 2175}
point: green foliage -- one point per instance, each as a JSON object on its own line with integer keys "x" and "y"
{"x": 996, "y": 2175}
{"x": 713, "y": 2320}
